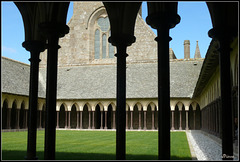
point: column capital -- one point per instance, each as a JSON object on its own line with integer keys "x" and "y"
{"x": 122, "y": 40}
{"x": 54, "y": 28}
{"x": 34, "y": 45}
{"x": 222, "y": 33}
{"x": 156, "y": 20}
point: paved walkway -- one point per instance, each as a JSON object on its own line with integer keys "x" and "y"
{"x": 205, "y": 147}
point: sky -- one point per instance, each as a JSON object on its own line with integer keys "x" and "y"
{"x": 194, "y": 26}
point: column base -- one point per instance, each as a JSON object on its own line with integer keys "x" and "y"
{"x": 33, "y": 158}
{"x": 172, "y": 128}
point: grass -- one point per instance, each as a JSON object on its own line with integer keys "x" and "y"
{"x": 95, "y": 145}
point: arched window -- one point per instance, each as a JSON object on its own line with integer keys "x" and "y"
{"x": 102, "y": 49}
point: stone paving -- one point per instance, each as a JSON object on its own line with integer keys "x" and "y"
{"x": 203, "y": 147}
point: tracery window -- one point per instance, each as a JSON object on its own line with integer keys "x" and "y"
{"x": 102, "y": 48}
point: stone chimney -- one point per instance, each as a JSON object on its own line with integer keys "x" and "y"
{"x": 186, "y": 49}
{"x": 197, "y": 52}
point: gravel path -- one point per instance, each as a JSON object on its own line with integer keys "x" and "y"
{"x": 203, "y": 147}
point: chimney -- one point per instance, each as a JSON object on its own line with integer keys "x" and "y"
{"x": 186, "y": 49}
{"x": 197, "y": 52}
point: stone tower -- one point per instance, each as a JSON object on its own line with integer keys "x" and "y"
{"x": 186, "y": 49}
{"x": 197, "y": 52}
{"x": 87, "y": 41}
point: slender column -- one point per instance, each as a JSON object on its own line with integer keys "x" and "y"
{"x": 57, "y": 119}
{"x": 186, "y": 120}
{"x": 17, "y": 118}
{"x": 89, "y": 119}
{"x": 105, "y": 127}
{"x": 81, "y": 120}
{"x": 126, "y": 119}
{"x": 93, "y": 123}
{"x": 69, "y": 119}
{"x": 77, "y": 119}
{"x": 114, "y": 121}
{"x": 145, "y": 120}
{"x": 194, "y": 119}
{"x": 9, "y": 118}
{"x": 153, "y": 123}
{"x": 131, "y": 120}
{"x": 26, "y": 117}
{"x": 35, "y": 47}
{"x": 66, "y": 117}
{"x": 139, "y": 120}
{"x": 40, "y": 119}
{"x": 101, "y": 127}
{"x": 163, "y": 92}
{"x": 121, "y": 103}
{"x": 180, "y": 119}
{"x": 172, "y": 120}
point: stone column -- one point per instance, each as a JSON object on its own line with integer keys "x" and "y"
{"x": 105, "y": 127}
{"x": 139, "y": 120}
{"x": 40, "y": 119}
{"x": 9, "y": 118}
{"x": 69, "y": 119}
{"x": 145, "y": 120}
{"x": 57, "y": 119}
{"x": 93, "y": 123}
{"x": 131, "y": 120}
{"x": 153, "y": 123}
{"x": 26, "y": 119}
{"x": 194, "y": 120}
{"x": 126, "y": 119}
{"x": 114, "y": 121}
{"x": 17, "y": 118}
{"x": 77, "y": 119}
{"x": 81, "y": 120}
{"x": 186, "y": 120}
{"x": 180, "y": 120}
{"x": 89, "y": 119}
{"x": 101, "y": 127}
{"x": 162, "y": 21}
{"x": 35, "y": 47}
{"x": 172, "y": 120}
{"x": 66, "y": 121}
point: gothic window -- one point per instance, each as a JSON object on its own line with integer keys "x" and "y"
{"x": 102, "y": 49}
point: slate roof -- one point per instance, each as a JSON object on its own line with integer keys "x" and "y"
{"x": 99, "y": 81}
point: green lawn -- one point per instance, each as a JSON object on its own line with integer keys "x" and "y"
{"x": 95, "y": 145}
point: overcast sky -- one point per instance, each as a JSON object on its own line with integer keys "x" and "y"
{"x": 194, "y": 25}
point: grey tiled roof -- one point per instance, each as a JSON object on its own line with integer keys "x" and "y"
{"x": 15, "y": 77}
{"x": 99, "y": 81}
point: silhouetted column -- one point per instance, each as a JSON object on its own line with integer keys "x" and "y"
{"x": 35, "y": 47}
{"x": 121, "y": 102}
{"x": 26, "y": 118}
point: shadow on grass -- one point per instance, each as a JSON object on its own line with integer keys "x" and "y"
{"x": 19, "y": 155}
